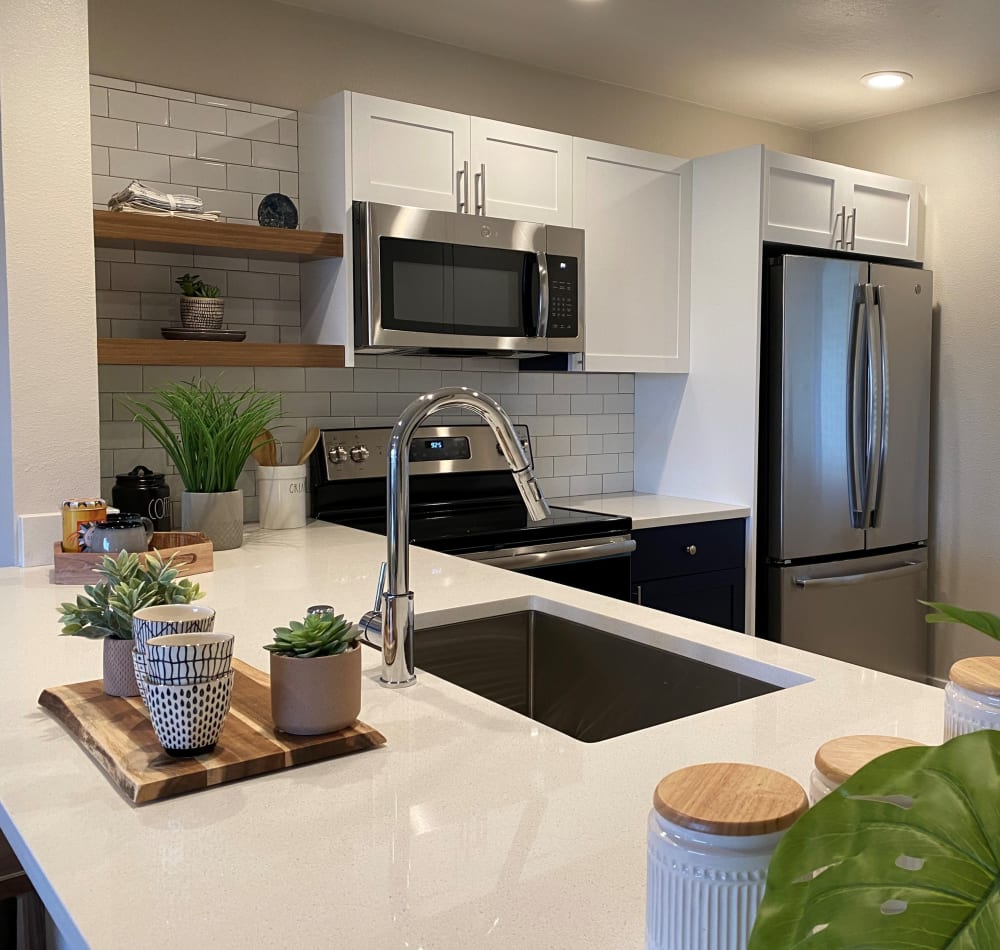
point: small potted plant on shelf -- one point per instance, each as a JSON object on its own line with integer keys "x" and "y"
{"x": 104, "y": 610}
{"x": 315, "y": 674}
{"x": 201, "y": 306}
{"x": 214, "y": 435}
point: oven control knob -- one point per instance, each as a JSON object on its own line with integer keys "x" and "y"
{"x": 338, "y": 454}
{"x": 359, "y": 453}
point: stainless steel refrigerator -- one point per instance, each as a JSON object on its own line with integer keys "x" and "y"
{"x": 844, "y": 459}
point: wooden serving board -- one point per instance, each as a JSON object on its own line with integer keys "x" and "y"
{"x": 191, "y": 550}
{"x": 119, "y": 737}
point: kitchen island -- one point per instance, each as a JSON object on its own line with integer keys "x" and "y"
{"x": 473, "y": 827}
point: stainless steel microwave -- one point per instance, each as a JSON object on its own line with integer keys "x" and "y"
{"x": 440, "y": 280}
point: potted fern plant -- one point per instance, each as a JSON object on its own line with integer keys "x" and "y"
{"x": 315, "y": 674}
{"x": 104, "y": 610}
{"x": 214, "y": 436}
{"x": 201, "y": 306}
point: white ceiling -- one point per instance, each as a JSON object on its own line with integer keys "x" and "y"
{"x": 797, "y": 62}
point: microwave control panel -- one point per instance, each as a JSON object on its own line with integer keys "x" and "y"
{"x": 564, "y": 292}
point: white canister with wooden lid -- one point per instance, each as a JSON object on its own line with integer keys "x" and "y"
{"x": 711, "y": 833}
{"x": 972, "y": 696}
{"x": 837, "y": 760}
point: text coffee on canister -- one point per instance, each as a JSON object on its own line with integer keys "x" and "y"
{"x": 143, "y": 492}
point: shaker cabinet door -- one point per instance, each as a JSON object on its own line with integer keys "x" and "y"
{"x": 885, "y": 210}
{"x": 404, "y": 154}
{"x": 521, "y": 173}
{"x": 634, "y": 207}
{"x": 802, "y": 201}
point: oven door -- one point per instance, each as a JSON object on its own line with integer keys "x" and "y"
{"x": 441, "y": 280}
{"x": 598, "y": 565}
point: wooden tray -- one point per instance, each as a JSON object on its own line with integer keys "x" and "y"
{"x": 191, "y": 550}
{"x": 119, "y": 737}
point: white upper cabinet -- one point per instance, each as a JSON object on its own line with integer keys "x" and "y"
{"x": 405, "y": 154}
{"x": 635, "y": 209}
{"x": 820, "y": 204}
{"x": 411, "y": 155}
{"x": 521, "y": 173}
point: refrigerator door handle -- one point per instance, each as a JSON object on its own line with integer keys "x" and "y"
{"x": 876, "y": 403}
{"x": 881, "y": 356}
{"x": 846, "y": 580}
{"x": 857, "y": 408}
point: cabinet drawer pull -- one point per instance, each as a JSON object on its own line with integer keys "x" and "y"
{"x": 692, "y": 549}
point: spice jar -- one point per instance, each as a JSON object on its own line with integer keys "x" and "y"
{"x": 837, "y": 760}
{"x": 143, "y": 492}
{"x": 972, "y": 696}
{"x": 75, "y": 512}
{"x": 710, "y": 837}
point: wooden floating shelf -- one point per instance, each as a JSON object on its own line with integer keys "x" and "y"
{"x": 130, "y": 352}
{"x": 121, "y": 229}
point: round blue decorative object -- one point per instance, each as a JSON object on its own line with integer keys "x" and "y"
{"x": 277, "y": 211}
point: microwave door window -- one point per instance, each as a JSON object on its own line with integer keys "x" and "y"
{"x": 417, "y": 286}
{"x": 489, "y": 292}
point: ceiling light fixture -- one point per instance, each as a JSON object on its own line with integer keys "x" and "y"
{"x": 886, "y": 79}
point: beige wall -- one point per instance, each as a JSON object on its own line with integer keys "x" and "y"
{"x": 266, "y": 52}
{"x": 954, "y": 149}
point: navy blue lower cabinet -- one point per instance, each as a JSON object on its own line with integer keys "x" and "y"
{"x": 694, "y": 570}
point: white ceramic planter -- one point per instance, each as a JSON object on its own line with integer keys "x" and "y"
{"x": 219, "y": 515}
{"x": 281, "y": 494}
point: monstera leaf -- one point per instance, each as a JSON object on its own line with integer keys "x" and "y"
{"x": 903, "y": 856}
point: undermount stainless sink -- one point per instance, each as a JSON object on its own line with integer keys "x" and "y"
{"x": 585, "y": 682}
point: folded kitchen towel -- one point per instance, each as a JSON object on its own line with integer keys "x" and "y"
{"x": 139, "y": 198}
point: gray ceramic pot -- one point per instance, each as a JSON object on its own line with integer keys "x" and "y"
{"x": 316, "y": 695}
{"x": 219, "y": 515}
{"x": 119, "y": 672}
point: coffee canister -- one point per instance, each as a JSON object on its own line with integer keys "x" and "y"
{"x": 972, "y": 696}
{"x": 837, "y": 760}
{"x": 143, "y": 492}
{"x": 710, "y": 837}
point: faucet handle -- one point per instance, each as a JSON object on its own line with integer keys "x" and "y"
{"x": 380, "y": 588}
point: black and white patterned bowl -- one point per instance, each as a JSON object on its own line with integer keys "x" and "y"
{"x": 168, "y": 619}
{"x": 186, "y": 658}
{"x": 188, "y": 719}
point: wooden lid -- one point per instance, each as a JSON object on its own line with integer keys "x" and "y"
{"x": 840, "y": 758}
{"x": 979, "y": 674}
{"x": 730, "y": 798}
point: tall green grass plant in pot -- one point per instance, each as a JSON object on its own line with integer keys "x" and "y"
{"x": 208, "y": 434}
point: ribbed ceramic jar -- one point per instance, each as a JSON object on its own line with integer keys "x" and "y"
{"x": 972, "y": 696}
{"x": 837, "y": 760}
{"x": 218, "y": 515}
{"x": 710, "y": 837}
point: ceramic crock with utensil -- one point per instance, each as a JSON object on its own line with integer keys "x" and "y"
{"x": 282, "y": 495}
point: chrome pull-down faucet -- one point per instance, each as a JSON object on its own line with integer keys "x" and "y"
{"x": 393, "y": 618}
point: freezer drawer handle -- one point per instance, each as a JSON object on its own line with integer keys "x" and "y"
{"x": 845, "y": 580}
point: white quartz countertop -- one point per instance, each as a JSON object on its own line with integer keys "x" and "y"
{"x": 654, "y": 511}
{"x": 474, "y": 827}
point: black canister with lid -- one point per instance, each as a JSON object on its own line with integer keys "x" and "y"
{"x": 143, "y": 492}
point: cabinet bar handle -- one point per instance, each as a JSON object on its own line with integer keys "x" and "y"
{"x": 463, "y": 188}
{"x": 853, "y": 218}
{"x": 839, "y": 216}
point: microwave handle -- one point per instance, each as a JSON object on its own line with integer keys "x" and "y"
{"x": 542, "y": 323}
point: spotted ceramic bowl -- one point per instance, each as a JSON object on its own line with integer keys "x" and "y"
{"x": 188, "y": 719}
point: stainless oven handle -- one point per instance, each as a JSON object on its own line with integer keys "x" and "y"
{"x": 542, "y": 323}
{"x": 589, "y": 552}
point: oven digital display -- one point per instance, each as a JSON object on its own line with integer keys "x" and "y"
{"x": 449, "y": 448}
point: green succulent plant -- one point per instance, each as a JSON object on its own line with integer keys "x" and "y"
{"x": 192, "y": 285}
{"x": 105, "y": 609}
{"x": 320, "y": 634}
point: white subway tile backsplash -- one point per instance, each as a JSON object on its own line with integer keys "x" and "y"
{"x": 244, "y": 178}
{"x": 272, "y": 110}
{"x": 554, "y": 487}
{"x": 519, "y": 404}
{"x": 376, "y": 380}
{"x": 329, "y": 379}
{"x": 626, "y": 383}
{"x": 586, "y": 445}
{"x": 251, "y": 284}
{"x": 586, "y": 404}
{"x": 136, "y": 107}
{"x": 602, "y": 383}
{"x": 216, "y": 277}
{"x": 626, "y": 422}
{"x": 596, "y": 424}
{"x": 585, "y": 485}
{"x": 223, "y": 103}
{"x": 99, "y": 160}
{"x": 170, "y": 258}
{"x": 221, "y": 263}
{"x": 116, "y": 132}
{"x": 288, "y": 132}
{"x": 102, "y": 275}
{"x": 104, "y": 187}
{"x": 164, "y": 308}
{"x": 498, "y": 383}
{"x": 197, "y": 118}
{"x": 305, "y": 404}
{"x": 223, "y": 148}
{"x": 98, "y": 101}
{"x": 167, "y": 141}
{"x": 290, "y": 334}
{"x": 261, "y": 333}
{"x": 146, "y": 166}
{"x": 621, "y": 482}
{"x": 354, "y": 404}
{"x": 164, "y": 91}
{"x": 121, "y": 435}
{"x": 570, "y": 425}
{"x": 140, "y": 277}
{"x": 619, "y": 402}
{"x": 618, "y": 442}
{"x": 194, "y": 171}
{"x": 553, "y": 444}
{"x": 573, "y": 383}
{"x": 419, "y": 380}
{"x": 570, "y": 465}
{"x": 554, "y": 405}
{"x": 245, "y": 125}
{"x": 109, "y": 83}
{"x": 466, "y": 378}
{"x": 534, "y": 383}
{"x": 281, "y": 379}
{"x": 281, "y": 313}
{"x": 274, "y": 267}
{"x": 283, "y": 157}
{"x": 115, "y": 305}
{"x": 602, "y": 464}
{"x": 230, "y": 204}
{"x": 288, "y": 287}
{"x": 626, "y": 462}
{"x": 288, "y": 184}
{"x": 153, "y": 377}
{"x": 119, "y": 379}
